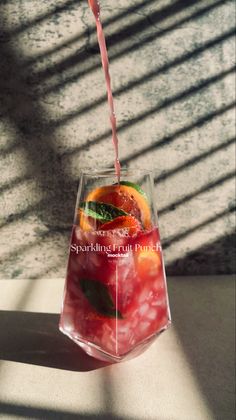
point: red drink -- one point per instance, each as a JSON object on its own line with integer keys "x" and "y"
{"x": 115, "y": 300}
{"x": 126, "y": 278}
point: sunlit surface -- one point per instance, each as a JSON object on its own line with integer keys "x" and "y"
{"x": 159, "y": 383}
{"x": 172, "y": 72}
{"x": 178, "y": 377}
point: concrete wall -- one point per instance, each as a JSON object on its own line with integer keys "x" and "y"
{"x": 172, "y": 75}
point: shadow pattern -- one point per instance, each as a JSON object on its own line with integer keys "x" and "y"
{"x": 21, "y": 106}
{"x": 43, "y": 413}
{"x": 207, "y": 258}
{"x": 34, "y": 338}
{"x": 202, "y": 311}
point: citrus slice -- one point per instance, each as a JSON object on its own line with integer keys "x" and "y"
{"x": 88, "y": 223}
{"x": 135, "y": 186}
{"x": 123, "y": 222}
{"x": 95, "y": 213}
{"x": 124, "y": 197}
{"x": 148, "y": 264}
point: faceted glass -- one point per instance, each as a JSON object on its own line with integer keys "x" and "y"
{"x": 115, "y": 298}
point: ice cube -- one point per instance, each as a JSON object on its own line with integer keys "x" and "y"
{"x": 152, "y": 314}
{"x": 124, "y": 329}
{"x": 143, "y": 326}
{"x": 143, "y": 295}
{"x": 135, "y": 322}
{"x": 143, "y": 308}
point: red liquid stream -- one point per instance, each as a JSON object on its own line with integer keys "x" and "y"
{"x": 94, "y": 5}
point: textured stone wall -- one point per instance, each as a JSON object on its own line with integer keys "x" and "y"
{"x": 172, "y": 75}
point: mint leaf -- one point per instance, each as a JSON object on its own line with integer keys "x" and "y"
{"x": 135, "y": 186}
{"x": 101, "y": 211}
{"x": 99, "y": 297}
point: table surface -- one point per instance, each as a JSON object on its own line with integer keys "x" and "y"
{"x": 187, "y": 374}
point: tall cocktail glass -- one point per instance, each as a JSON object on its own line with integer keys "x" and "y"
{"x": 115, "y": 300}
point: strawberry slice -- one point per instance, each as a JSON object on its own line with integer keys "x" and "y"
{"x": 123, "y": 222}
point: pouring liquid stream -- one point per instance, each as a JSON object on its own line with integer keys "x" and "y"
{"x": 94, "y": 5}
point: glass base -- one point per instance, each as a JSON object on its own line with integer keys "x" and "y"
{"x": 95, "y": 351}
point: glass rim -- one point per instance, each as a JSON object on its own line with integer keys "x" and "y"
{"x": 107, "y": 172}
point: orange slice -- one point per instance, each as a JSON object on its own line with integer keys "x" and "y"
{"x": 125, "y": 198}
{"x": 148, "y": 264}
{"x": 123, "y": 222}
{"x": 88, "y": 223}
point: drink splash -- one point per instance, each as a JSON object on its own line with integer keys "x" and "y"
{"x": 94, "y": 5}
